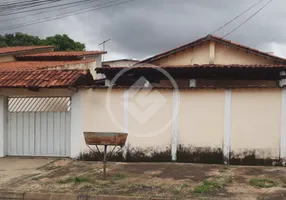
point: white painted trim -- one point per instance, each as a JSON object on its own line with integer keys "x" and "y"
{"x": 126, "y": 119}
{"x": 283, "y": 125}
{"x": 226, "y": 139}
{"x": 192, "y": 83}
{"x": 174, "y": 138}
{"x": 3, "y": 125}
{"x": 212, "y": 52}
{"x": 107, "y": 82}
{"x": 77, "y": 137}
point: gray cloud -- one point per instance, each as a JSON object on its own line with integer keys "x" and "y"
{"x": 146, "y": 27}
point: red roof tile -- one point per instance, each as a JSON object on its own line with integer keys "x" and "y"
{"x": 217, "y": 39}
{"x": 7, "y": 50}
{"x": 64, "y": 53}
{"x": 40, "y": 78}
{"x": 30, "y": 65}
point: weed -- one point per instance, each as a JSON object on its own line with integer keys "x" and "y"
{"x": 139, "y": 186}
{"x": 37, "y": 177}
{"x": 118, "y": 176}
{"x": 75, "y": 180}
{"x": 206, "y": 186}
{"x": 262, "y": 183}
{"x": 223, "y": 169}
{"x": 184, "y": 185}
{"x": 176, "y": 191}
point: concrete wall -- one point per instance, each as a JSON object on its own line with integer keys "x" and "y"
{"x": 255, "y": 122}
{"x": 254, "y": 119}
{"x": 149, "y": 121}
{"x": 201, "y": 118}
{"x": 97, "y": 116}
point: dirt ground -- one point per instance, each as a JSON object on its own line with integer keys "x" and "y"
{"x": 182, "y": 181}
{"x": 11, "y": 168}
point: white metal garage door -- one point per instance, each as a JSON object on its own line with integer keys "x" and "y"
{"x": 39, "y": 126}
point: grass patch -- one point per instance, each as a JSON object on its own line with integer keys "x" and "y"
{"x": 118, "y": 176}
{"x": 178, "y": 190}
{"x": 75, "y": 180}
{"x": 262, "y": 183}
{"x": 140, "y": 186}
{"x": 223, "y": 169}
{"x": 206, "y": 186}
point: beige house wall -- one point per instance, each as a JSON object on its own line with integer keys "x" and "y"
{"x": 255, "y": 116}
{"x": 41, "y": 93}
{"x": 98, "y": 117}
{"x": 150, "y": 122}
{"x": 229, "y": 55}
{"x": 201, "y": 118}
{"x": 9, "y": 58}
{"x": 203, "y": 54}
{"x": 255, "y": 121}
{"x": 196, "y": 55}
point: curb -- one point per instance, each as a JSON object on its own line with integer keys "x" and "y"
{"x": 52, "y": 196}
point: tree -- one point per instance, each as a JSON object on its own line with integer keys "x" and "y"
{"x": 61, "y": 42}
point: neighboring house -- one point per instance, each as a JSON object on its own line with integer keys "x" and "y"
{"x": 228, "y": 105}
{"x": 120, "y": 63}
{"x": 8, "y": 53}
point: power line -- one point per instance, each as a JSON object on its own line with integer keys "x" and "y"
{"x": 247, "y": 19}
{"x": 245, "y": 11}
{"x": 6, "y": 8}
{"x": 46, "y": 11}
{"x": 54, "y": 6}
{"x": 67, "y": 14}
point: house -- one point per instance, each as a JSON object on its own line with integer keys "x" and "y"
{"x": 210, "y": 101}
{"x": 24, "y": 72}
{"x": 222, "y": 102}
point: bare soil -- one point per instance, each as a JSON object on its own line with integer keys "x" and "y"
{"x": 181, "y": 181}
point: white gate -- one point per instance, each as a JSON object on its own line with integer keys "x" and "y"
{"x": 39, "y": 126}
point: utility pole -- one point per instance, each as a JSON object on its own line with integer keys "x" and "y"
{"x": 103, "y": 47}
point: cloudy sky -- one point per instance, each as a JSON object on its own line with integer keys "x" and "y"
{"x": 142, "y": 28}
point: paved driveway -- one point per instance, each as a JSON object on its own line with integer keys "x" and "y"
{"x": 13, "y": 168}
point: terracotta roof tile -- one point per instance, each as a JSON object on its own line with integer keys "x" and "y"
{"x": 217, "y": 39}
{"x": 63, "y": 53}
{"x": 6, "y": 50}
{"x": 40, "y": 78}
{"x": 30, "y": 65}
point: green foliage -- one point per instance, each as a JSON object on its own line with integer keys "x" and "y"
{"x": 262, "y": 183}
{"x": 61, "y": 42}
{"x": 206, "y": 186}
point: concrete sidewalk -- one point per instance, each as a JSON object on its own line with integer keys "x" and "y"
{"x": 12, "y": 168}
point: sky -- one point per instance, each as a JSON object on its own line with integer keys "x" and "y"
{"x": 142, "y": 28}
